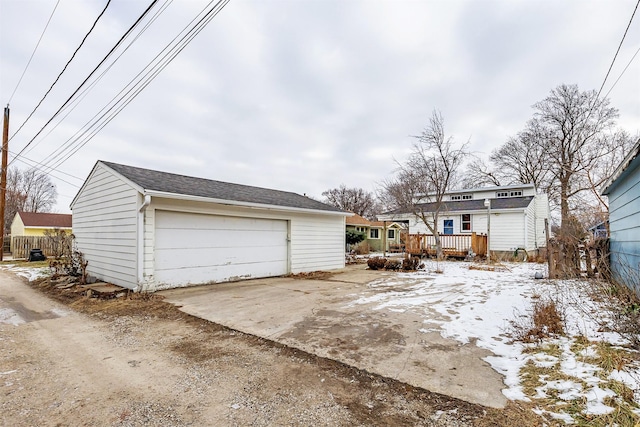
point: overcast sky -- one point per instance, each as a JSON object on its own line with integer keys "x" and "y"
{"x": 304, "y": 96}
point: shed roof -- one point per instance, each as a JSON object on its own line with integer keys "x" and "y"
{"x": 45, "y": 220}
{"x": 623, "y": 169}
{"x": 152, "y": 180}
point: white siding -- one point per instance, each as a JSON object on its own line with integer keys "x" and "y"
{"x": 507, "y": 231}
{"x": 317, "y": 242}
{"x": 105, "y": 226}
{"x": 542, "y": 213}
{"x": 530, "y": 228}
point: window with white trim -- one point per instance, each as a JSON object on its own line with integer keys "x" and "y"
{"x": 461, "y": 197}
{"x": 374, "y": 233}
{"x": 391, "y": 234}
{"x": 465, "y": 224}
{"x": 514, "y": 193}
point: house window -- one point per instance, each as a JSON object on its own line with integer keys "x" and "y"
{"x": 515, "y": 193}
{"x": 391, "y": 234}
{"x": 462, "y": 197}
{"x": 466, "y": 222}
{"x": 448, "y": 226}
{"x": 373, "y": 233}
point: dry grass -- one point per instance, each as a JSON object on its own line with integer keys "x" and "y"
{"x": 546, "y": 321}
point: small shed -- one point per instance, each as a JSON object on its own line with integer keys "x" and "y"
{"x": 147, "y": 230}
{"x": 623, "y": 191}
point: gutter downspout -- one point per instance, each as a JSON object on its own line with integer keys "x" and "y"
{"x": 140, "y": 241}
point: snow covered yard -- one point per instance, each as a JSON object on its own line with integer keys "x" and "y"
{"x": 30, "y": 272}
{"x": 581, "y": 376}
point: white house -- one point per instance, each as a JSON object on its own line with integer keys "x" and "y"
{"x": 148, "y": 230}
{"x": 517, "y": 219}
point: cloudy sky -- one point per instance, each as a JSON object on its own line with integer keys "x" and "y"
{"x": 302, "y": 95}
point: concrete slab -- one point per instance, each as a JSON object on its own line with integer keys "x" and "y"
{"x": 317, "y": 316}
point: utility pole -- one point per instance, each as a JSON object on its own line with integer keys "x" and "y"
{"x": 3, "y": 176}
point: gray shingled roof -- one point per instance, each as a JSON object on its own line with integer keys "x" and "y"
{"x": 474, "y": 205}
{"x": 187, "y": 185}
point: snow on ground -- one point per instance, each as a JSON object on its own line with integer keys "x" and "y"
{"x": 31, "y": 273}
{"x": 471, "y": 305}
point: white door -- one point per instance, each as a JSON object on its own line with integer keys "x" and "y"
{"x": 198, "y": 248}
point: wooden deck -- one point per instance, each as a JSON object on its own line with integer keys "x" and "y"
{"x": 453, "y": 245}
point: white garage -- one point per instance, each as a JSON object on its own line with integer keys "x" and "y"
{"x": 148, "y": 230}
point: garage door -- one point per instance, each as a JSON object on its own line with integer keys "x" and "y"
{"x": 197, "y": 248}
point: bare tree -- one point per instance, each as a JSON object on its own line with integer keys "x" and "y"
{"x": 573, "y": 123}
{"x": 524, "y": 159}
{"x": 480, "y": 174}
{"x": 355, "y": 200}
{"x": 28, "y": 191}
{"x": 430, "y": 172}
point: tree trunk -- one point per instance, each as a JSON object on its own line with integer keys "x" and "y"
{"x": 436, "y": 235}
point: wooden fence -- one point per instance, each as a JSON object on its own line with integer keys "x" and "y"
{"x": 454, "y": 245}
{"x": 21, "y": 245}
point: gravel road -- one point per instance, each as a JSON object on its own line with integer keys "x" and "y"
{"x": 66, "y": 359}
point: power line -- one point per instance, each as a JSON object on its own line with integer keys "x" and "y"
{"x": 34, "y": 51}
{"x": 135, "y": 24}
{"x": 618, "y": 50}
{"x": 35, "y": 164}
{"x": 63, "y": 69}
{"x": 138, "y": 83}
{"x": 85, "y": 91}
{"x": 23, "y": 160}
{"x": 623, "y": 71}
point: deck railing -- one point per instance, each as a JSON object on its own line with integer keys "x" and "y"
{"x": 455, "y": 245}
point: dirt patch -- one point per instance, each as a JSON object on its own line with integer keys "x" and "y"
{"x": 140, "y": 361}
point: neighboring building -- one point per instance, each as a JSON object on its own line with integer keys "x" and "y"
{"x": 623, "y": 190}
{"x": 518, "y": 216}
{"x": 147, "y": 230}
{"x": 599, "y": 231}
{"x": 35, "y": 224}
{"x": 374, "y": 232}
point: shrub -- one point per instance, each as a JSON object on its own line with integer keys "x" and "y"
{"x": 376, "y": 263}
{"x": 362, "y": 248}
{"x": 393, "y": 264}
{"x": 547, "y": 320}
{"x": 410, "y": 263}
{"x": 353, "y": 237}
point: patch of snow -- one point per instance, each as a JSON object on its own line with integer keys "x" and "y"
{"x": 595, "y": 401}
{"x": 11, "y": 317}
{"x": 30, "y": 273}
{"x": 568, "y": 419}
{"x": 478, "y": 306}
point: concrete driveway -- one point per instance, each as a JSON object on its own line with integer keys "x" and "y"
{"x": 317, "y": 316}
